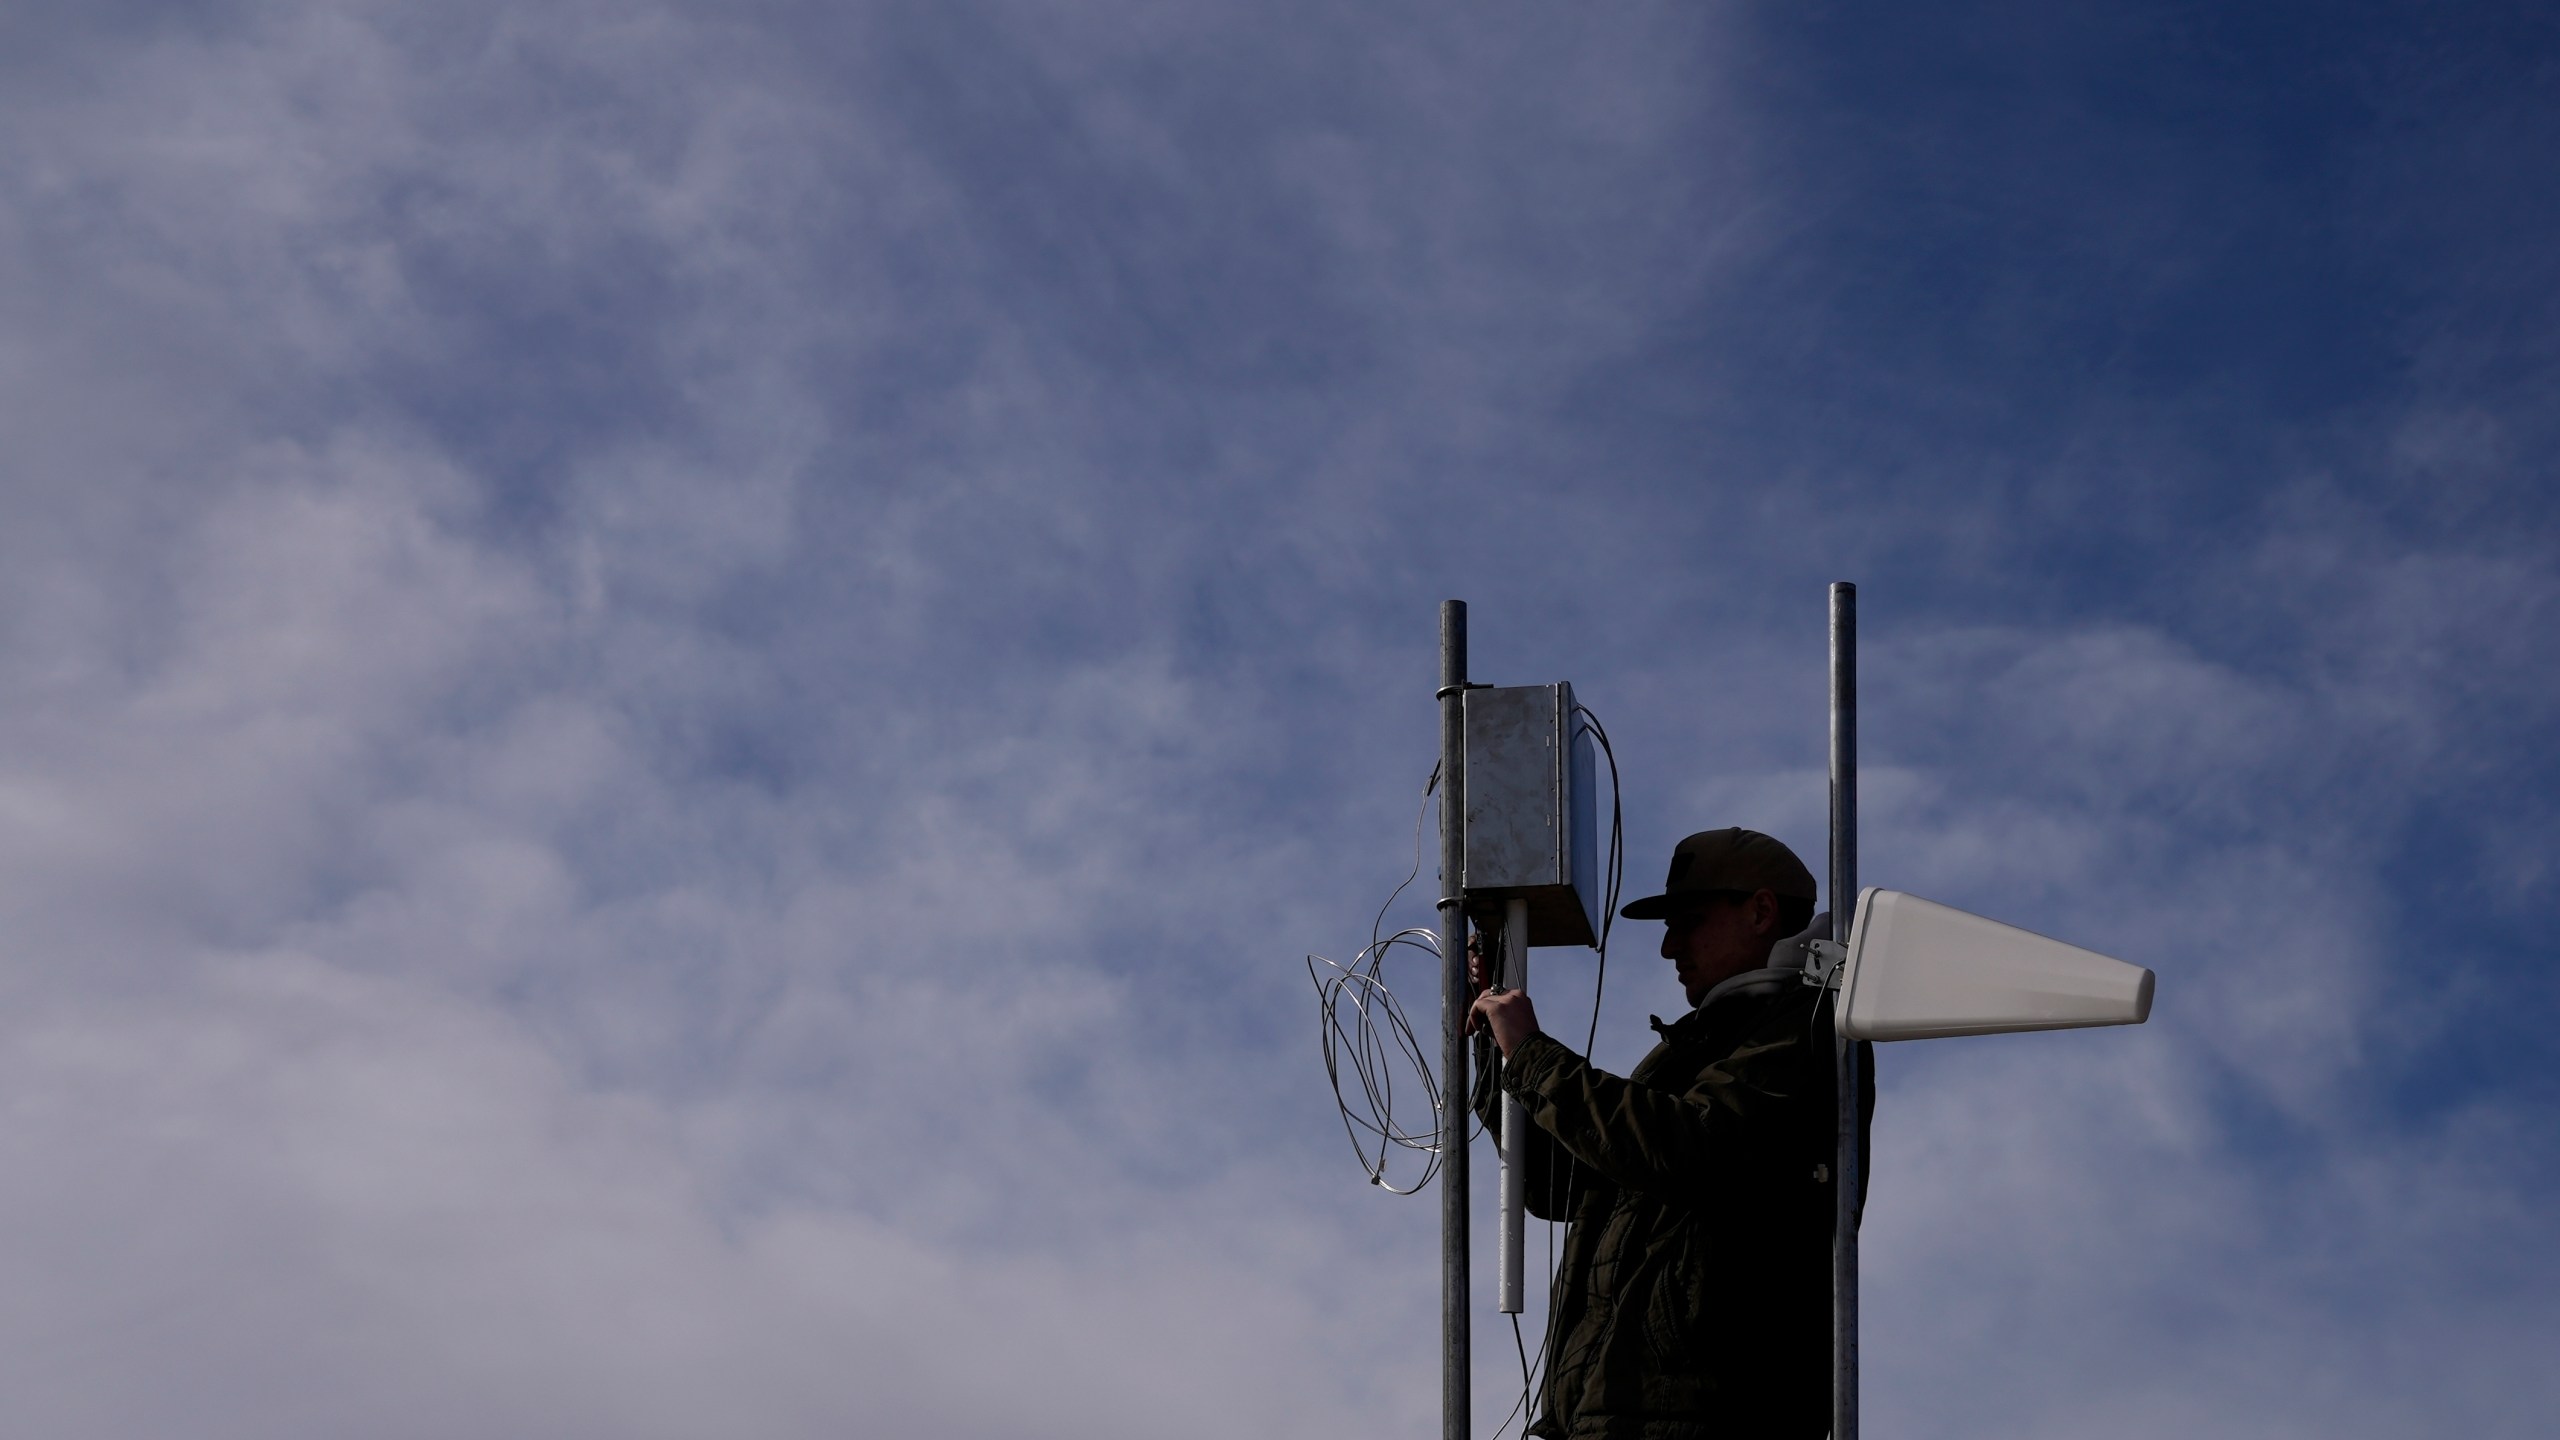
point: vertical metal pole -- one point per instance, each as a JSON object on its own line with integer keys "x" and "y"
{"x": 1515, "y": 1121}
{"x": 1844, "y": 901}
{"x": 1455, "y": 1368}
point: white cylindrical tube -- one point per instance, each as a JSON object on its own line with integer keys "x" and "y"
{"x": 1515, "y": 1118}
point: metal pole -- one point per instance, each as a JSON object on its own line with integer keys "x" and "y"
{"x": 1848, "y": 1181}
{"x": 1455, "y": 1368}
{"x": 1515, "y": 1118}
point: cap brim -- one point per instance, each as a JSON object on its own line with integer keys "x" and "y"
{"x": 1663, "y": 907}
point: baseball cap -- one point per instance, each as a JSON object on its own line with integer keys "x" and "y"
{"x": 1729, "y": 859}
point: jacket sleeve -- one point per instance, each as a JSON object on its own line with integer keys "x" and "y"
{"x": 1549, "y": 1177}
{"x": 1737, "y": 1114}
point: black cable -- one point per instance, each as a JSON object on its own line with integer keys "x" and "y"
{"x": 1518, "y": 1407}
{"x": 1617, "y": 870}
{"x": 1428, "y": 787}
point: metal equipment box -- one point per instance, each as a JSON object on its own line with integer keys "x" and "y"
{"x": 1530, "y": 831}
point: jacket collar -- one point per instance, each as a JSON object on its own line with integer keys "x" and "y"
{"x": 1761, "y": 983}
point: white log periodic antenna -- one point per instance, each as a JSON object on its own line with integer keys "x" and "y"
{"x": 1905, "y": 968}
{"x": 1919, "y": 970}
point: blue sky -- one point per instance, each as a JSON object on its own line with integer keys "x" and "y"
{"x": 682, "y": 683}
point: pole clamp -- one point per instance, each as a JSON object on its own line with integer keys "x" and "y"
{"x": 1822, "y": 962}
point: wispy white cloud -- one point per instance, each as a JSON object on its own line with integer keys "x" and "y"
{"x": 680, "y": 688}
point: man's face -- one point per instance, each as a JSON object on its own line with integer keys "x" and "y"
{"x": 1718, "y": 938}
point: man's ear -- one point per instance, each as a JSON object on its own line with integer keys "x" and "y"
{"x": 1764, "y": 912}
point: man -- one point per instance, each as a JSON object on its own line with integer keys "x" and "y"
{"x": 1694, "y": 1297}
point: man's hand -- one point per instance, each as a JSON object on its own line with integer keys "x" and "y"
{"x": 1508, "y": 1014}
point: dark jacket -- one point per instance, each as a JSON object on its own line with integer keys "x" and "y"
{"x": 1694, "y": 1295}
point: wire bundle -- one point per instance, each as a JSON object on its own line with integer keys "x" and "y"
{"x": 1365, "y": 1031}
{"x": 1366, "y": 1034}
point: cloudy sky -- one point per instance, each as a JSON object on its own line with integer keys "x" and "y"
{"x": 680, "y": 685}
